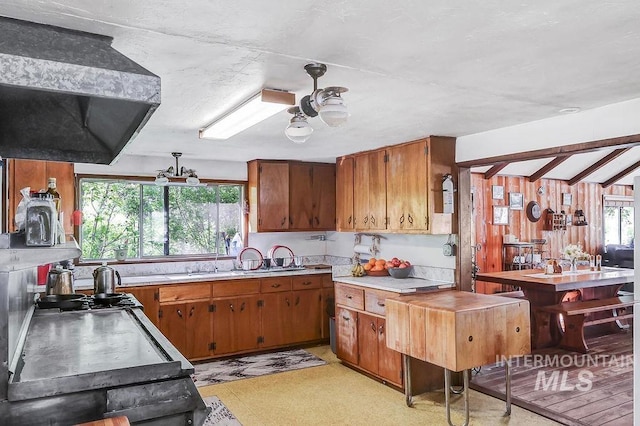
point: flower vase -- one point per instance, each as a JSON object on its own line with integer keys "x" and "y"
{"x": 574, "y": 265}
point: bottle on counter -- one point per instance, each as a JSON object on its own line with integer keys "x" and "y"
{"x": 52, "y": 190}
{"x": 598, "y": 262}
{"x": 592, "y": 263}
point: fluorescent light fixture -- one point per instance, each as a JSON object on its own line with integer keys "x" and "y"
{"x": 260, "y": 107}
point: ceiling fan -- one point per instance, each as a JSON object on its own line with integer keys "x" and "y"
{"x": 325, "y": 102}
{"x": 164, "y": 174}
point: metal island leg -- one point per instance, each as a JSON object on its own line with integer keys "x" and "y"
{"x": 465, "y": 393}
{"x": 407, "y": 380}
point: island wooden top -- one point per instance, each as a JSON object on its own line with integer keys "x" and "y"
{"x": 535, "y": 279}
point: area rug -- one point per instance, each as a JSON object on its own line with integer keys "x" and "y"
{"x": 227, "y": 370}
{"x": 220, "y": 414}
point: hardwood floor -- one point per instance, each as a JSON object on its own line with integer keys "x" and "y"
{"x": 569, "y": 387}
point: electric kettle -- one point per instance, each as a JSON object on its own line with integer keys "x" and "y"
{"x": 104, "y": 279}
{"x": 60, "y": 281}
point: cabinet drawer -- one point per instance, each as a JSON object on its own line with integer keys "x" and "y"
{"x": 327, "y": 280}
{"x": 374, "y": 301}
{"x": 185, "y": 292}
{"x": 349, "y": 296}
{"x": 305, "y": 282}
{"x": 235, "y": 287}
{"x": 270, "y": 285}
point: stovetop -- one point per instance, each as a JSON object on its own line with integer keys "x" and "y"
{"x": 89, "y": 303}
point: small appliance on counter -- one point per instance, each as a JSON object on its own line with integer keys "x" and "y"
{"x": 41, "y": 221}
{"x": 104, "y": 279}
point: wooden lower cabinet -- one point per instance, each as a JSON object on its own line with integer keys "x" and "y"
{"x": 149, "y": 297}
{"x": 236, "y": 324}
{"x": 361, "y": 340}
{"x": 239, "y": 316}
{"x": 187, "y": 325}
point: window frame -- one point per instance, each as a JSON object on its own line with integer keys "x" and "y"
{"x": 619, "y": 202}
{"x": 167, "y": 258}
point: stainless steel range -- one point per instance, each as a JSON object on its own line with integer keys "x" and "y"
{"x": 67, "y": 367}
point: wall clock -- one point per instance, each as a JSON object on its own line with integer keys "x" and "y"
{"x": 534, "y": 211}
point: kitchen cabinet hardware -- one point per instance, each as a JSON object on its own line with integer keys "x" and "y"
{"x": 381, "y": 329}
{"x": 193, "y": 308}
{"x": 307, "y": 283}
{"x": 275, "y": 285}
{"x": 410, "y": 219}
{"x": 366, "y": 220}
{"x": 242, "y": 307}
{"x": 231, "y": 307}
{"x": 346, "y": 318}
{"x": 381, "y": 304}
{"x": 401, "y": 219}
{"x": 179, "y": 312}
{"x": 373, "y": 220}
{"x": 373, "y": 326}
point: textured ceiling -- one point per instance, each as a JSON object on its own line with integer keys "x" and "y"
{"x": 413, "y": 68}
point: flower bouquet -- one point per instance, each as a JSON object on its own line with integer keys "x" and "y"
{"x": 574, "y": 253}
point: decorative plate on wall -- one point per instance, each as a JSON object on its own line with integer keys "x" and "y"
{"x": 534, "y": 212}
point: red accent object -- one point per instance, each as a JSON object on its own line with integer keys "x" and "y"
{"x": 77, "y": 218}
{"x": 43, "y": 272}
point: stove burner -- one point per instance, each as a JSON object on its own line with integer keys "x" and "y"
{"x": 89, "y": 303}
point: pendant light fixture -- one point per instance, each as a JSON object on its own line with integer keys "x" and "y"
{"x": 190, "y": 176}
{"x": 327, "y": 102}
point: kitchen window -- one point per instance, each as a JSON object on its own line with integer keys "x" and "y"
{"x": 618, "y": 220}
{"x": 140, "y": 220}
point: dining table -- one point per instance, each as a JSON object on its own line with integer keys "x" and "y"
{"x": 542, "y": 289}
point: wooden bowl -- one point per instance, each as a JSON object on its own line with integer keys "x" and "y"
{"x": 382, "y": 273}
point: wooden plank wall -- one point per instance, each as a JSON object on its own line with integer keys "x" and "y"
{"x": 585, "y": 196}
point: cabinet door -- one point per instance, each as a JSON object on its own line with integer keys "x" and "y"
{"x": 273, "y": 199}
{"x": 328, "y": 303}
{"x": 198, "y": 329}
{"x": 368, "y": 342}
{"x": 148, "y": 296}
{"x": 306, "y": 315}
{"x": 370, "y": 197}
{"x": 276, "y": 318}
{"x": 407, "y": 197}
{"x": 300, "y": 195}
{"x": 324, "y": 197}
{"x": 347, "y": 335}
{"x": 236, "y": 324}
{"x": 389, "y": 361}
{"x": 173, "y": 325}
{"x": 344, "y": 194}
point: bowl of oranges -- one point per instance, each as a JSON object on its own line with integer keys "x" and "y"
{"x": 376, "y": 267}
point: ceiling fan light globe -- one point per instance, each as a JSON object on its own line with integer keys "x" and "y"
{"x": 333, "y": 111}
{"x": 298, "y": 130}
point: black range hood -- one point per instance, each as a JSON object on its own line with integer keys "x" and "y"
{"x": 68, "y": 95}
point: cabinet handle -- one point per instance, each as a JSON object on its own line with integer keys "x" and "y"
{"x": 317, "y": 220}
{"x": 402, "y": 219}
{"x": 366, "y": 219}
{"x": 275, "y": 285}
{"x": 345, "y": 318}
{"x": 284, "y": 219}
{"x": 231, "y": 307}
{"x": 297, "y": 300}
{"x": 179, "y": 313}
{"x": 287, "y": 300}
{"x": 381, "y": 304}
{"x": 381, "y": 329}
{"x": 349, "y": 221}
{"x": 373, "y": 220}
{"x": 191, "y": 311}
{"x": 349, "y": 297}
{"x": 242, "y": 307}
{"x": 410, "y": 219}
{"x": 306, "y": 283}
{"x": 373, "y": 327}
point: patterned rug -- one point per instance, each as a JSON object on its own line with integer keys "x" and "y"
{"x": 227, "y": 370}
{"x": 220, "y": 414}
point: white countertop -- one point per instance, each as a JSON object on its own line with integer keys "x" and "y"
{"x": 396, "y": 285}
{"x": 135, "y": 281}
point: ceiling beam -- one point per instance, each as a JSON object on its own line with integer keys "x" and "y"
{"x": 495, "y": 170}
{"x": 597, "y": 165}
{"x": 620, "y": 175}
{"x": 548, "y": 167}
{"x": 578, "y": 148}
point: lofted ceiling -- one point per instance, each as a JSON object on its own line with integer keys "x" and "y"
{"x": 413, "y": 68}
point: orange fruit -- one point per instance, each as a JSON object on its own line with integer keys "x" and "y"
{"x": 377, "y": 268}
{"x": 380, "y": 262}
{"x": 368, "y": 266}
{"x": 372, "y": 261}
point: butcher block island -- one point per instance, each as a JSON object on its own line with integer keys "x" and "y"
{"x": 457, "y": 331}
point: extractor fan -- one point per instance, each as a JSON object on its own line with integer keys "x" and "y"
{"x": 325, "y": 102}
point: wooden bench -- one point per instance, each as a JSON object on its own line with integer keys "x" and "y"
{"x": 575, "y": 316}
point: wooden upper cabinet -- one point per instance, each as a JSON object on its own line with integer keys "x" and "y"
{"x": 344, "y": 194}
{"x": 324, "y": 197}
{"x": 291, "y": 196}
{"x": 268, "y": 195}
{"x": 369, "y": 191}
{"x": 407, "y": 195}
{"x": 34, "y": 174}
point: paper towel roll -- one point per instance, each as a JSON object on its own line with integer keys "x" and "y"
{"x": 362, "y": 249}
